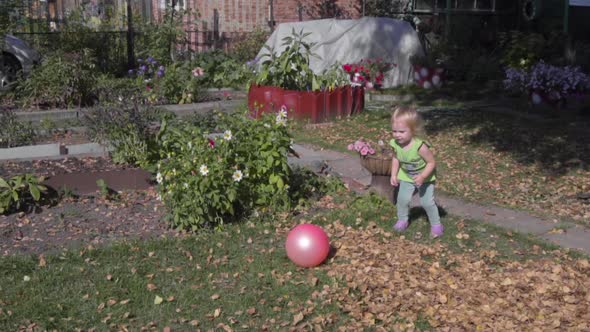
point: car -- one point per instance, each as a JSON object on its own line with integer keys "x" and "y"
{"x": 17, "y": 58}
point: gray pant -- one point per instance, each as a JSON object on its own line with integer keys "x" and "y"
{"x": 426, "y": 191}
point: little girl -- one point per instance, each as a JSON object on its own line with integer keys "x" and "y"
{"x": 412, "y": 168}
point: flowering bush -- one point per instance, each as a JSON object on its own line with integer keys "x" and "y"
{"x": 206, "y": 179}
{"x": 180, "y": 82}
{"x": 547, "y": 81}
{"x": 368, "y": 72}
{"x": 365, "y": 149}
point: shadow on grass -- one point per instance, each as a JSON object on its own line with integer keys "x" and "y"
{"x": 559, "y": 145}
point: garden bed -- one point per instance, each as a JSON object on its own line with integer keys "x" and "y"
{"x": 93, "y": 219}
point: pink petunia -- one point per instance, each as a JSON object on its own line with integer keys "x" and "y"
{"x": 350, "y": 147}
{"x": 364, "y": 150}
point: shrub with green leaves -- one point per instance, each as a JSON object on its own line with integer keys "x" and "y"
{"x": 18, "y": 191}
{"x": 62, "y": 80}
{"x": 127, "y": 127}
{"x": 206, "y": 180}
{"x": 14, "y": 132}
{"x": 246, "y": 49}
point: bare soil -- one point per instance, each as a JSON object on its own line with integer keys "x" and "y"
{"x": 76, "y": 222}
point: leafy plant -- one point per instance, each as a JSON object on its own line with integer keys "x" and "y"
{"x": 127, "y": 127}
{"x": 13, "y": 132}
{"x": 289, "y": 69}
{"x": 368, "y": 72}
{"x": 207, "y": 179}
{"x": 551, "y": 81}
{"x": 19, "y": 190}
{"x": 62, "y": 80}
{"x": 164, "y": 39}
{"x": 104, "y": 190}
{"x": 246, "y": 49}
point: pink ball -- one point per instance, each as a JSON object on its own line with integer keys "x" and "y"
{"x": 307, "y": 245}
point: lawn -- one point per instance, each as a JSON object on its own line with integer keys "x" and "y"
{"x": 539, "y": 166}
{"x": 475, "y": 277}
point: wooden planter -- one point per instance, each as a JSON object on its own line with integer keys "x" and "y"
{"x": 377, "y": 164}
{"x": 313, "y": 106}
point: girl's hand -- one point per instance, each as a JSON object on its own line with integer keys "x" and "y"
{"x": 419, "y": 180}
{"x": 393, "y": 180}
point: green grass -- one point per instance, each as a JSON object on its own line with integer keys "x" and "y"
{"x": 487, "y": 157}
{"x": 243, "y": 268}
{"x": 242, "y": 273}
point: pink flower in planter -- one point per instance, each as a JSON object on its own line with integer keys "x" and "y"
{"x": 198, "y": 72}
{"x": 364, "y": 151}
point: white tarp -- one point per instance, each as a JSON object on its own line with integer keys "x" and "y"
{"x": 580, "y": 3}
{"x": 349, "y": 41}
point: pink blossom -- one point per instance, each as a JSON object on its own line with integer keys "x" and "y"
{"x": 364, "y": 150}
{"x": 198, "y": 72}
{"x": 350, "y": 147}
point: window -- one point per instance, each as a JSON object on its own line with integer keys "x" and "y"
{"x": 177, "y": 4}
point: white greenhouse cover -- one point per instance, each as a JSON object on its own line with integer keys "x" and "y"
{"x": 580, "y": 3}
{"x": 350, "y": 41}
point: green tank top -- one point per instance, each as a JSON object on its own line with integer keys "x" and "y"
{"x": 410, "y": 162}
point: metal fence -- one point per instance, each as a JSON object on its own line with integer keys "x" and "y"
{"x": 46, "y": 26}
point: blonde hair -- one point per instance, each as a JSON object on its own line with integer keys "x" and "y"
{"x": 409, "y": 116}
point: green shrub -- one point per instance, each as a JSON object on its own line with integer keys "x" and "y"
{"x": 246, "y": 49}
{"x": 162, "y": 39}
{"x": 62, "y": 80}
{"x": 13, "y": 132}
{"x": 18, "y": 191}
{"x": 206, "y": 180}
{"x": 111, "y": 90}
{"x": 173, "y": 84}
{"x": 127, "y": 126}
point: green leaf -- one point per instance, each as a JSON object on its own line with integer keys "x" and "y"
{"x": 35, "y": 192}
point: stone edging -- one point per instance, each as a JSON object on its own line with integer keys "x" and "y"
{"x": 179, "y": 110}
{"x": 53, "y": 151}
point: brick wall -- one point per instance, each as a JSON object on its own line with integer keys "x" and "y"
{"x": 246, "y": 15}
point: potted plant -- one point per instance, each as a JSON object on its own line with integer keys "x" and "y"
{"x": 377, "y": 161}
{"x": 547, "y": 84}
{"x": 286, "y": 79}
{"x": 368, "y": 72}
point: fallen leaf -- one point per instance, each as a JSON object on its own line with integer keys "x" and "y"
{"x": 158, "y": 300}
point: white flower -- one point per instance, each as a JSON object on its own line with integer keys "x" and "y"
{"x": 281, "y": 121}
{"x": 27, "y": 278}
{"x": 204, "y": 170}
{"x": 283, "y": 111}
{"x": 185, "y": 185}
{"x": 227, "y": 135}
{"x": 190, "y": 145}
{"x": 159, "y": 177}
{"x": 237, "y": 176}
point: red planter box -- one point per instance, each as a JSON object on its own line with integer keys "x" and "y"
{"x": 313, "y": 106}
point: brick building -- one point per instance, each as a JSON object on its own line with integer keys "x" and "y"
{"x": 246, "y": 15}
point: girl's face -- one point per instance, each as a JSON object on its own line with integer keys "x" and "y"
{"x": 401, "y": 132}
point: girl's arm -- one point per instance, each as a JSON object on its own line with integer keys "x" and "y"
{"x": 428, "y": 157}
{"x": 394, "y": 170}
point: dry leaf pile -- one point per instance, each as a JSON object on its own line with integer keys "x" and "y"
{"x": 382, "y": 278}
